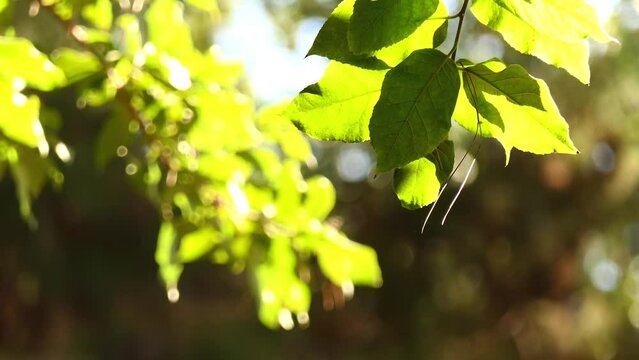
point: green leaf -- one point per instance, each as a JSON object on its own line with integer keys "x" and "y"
{"x": 77, "y": 65}
{"x": 165, "y": 254}
{"x": 278, "y": 286}
{"x": 265, "y": 161}
{"x": 130, "y": 39}
{"x": 514, "y": 108}
{"x": 167, "y": 29}
{"x": 275, "y": 126}
{"x": 343, "y": 261}
{"x": 95, "y": 36}
{"x": 196, "y": 244}
{"x": 555, "y": 31}
{"x": 289, "y": 197}
{"x": 376, "y": 24}
{"x": 100, "y": 14}
{"x": 332, "y": 40}
{"x": 20, "y": 59}
{"x": 209, "y": 6}
{"x": 412, "y": 116}
{"x": 340, "y": 105}
{"x": 417, "y": 184}
{"x": 114, "y": 133}
{"x": 30, "y": 173}
{"x": 225, "y": 121}
{"x": 320, "y": 197}
{"x": 19, "y": 117}
{"x": 427, "y": 35}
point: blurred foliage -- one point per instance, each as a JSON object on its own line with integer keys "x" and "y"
{"x": 538, "y": 260}
{"x": 227, "y": 181}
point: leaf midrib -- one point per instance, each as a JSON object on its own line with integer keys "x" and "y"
{"x": 419, "y": 96}
{"x": 498, "y": 88}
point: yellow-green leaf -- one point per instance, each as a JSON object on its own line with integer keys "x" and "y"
{"x": 376, "y": 24}
{"x": 514, "y": 108}
{"x": 99, "y": 13}
{"x": 332, "y": 40}
{"x": 555, "y": 31}
{"x": 165, "y": 254}
{"x": 418, "y": 183}
{"x": 19, "y": 116}
{"x": 20, "y": 59}
{"x": 76, "y": 64}
{"x": 340, "y": 105}
{"x": 320, "y": 197}
{"x": 196, "y": 244}
{"x": 342, "y": 260}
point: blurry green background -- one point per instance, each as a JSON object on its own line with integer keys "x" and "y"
{"x": 538, "y": 260}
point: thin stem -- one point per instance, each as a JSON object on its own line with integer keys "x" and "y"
{"x": 430, "y": 212}
{"x": 461, "y": 187}
{"x": 477, "y": 130}
{"x": 460, "y": 14}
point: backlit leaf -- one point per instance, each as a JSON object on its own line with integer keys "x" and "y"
{"x": 418, "y": 183}
{"x": 376, "y": 24}
{"x": 165, "y": 254}
{"x": 332, "y": 40}
{"x": 289, "y": 197}
{"x": 340, "y": 105}
{"x": 76, "y": 64}
{"x": 209, "y": 6}
{"x": 197, "y": 243}
{"x": 275, "y": 126}
{"x": 279, "y": 289}
{"x": 99, "y": 13}
{"x": 412, "y": 116}
{"x": 19, "y": 116}
{"x": 320, "y": 197}
{"x": 167, "y": 29}
{"x": 427, "y": 35}
{"x": 342, "y": 260}
{"x": 20, "y": 59}
{"x": 224, "y": 120}
{"x": 514, "y": 108}
{"x": 30, "y": 174}
{"x": 555, "y": 31}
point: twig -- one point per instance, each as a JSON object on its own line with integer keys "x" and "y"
{"x": 460, "y": 14}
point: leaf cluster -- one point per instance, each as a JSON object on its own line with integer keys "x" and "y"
{"x": 232, "y": 184}
{"x": 389, "y": 83}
